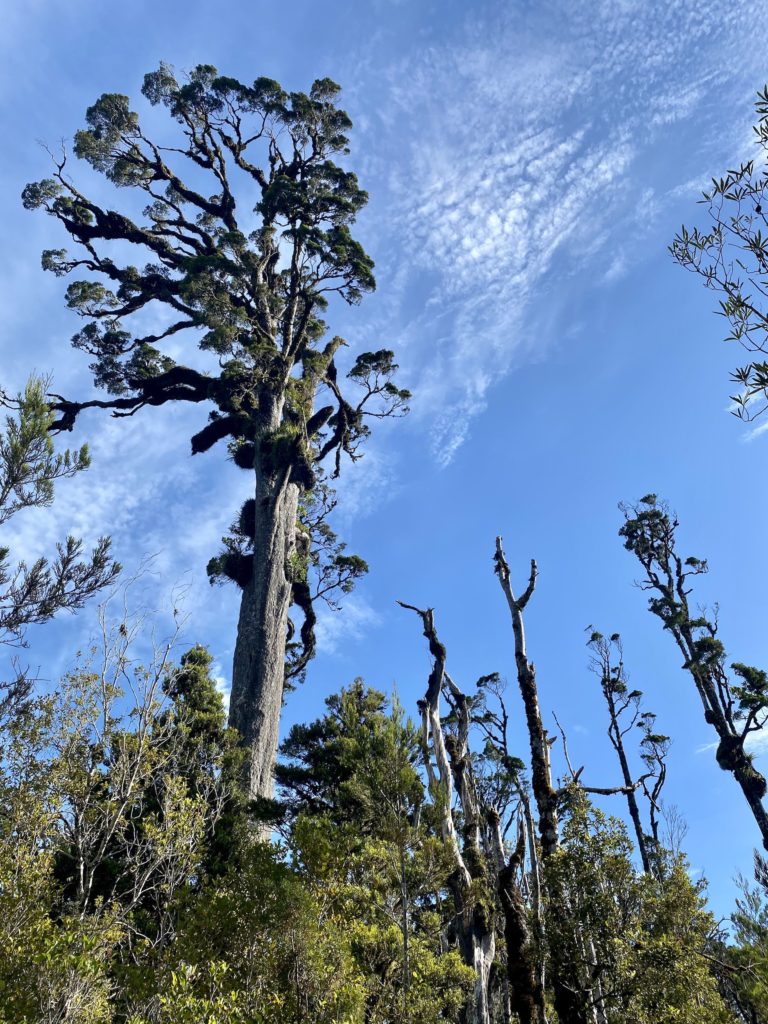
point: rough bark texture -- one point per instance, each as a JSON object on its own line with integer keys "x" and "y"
{"x": 525, "y": 983}
{"x": 258, "y": 670}
{"x": 474, "y": 924}
{"x": 569, "y": 1001}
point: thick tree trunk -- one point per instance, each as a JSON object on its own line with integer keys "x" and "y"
{"x": 258, "y": 670}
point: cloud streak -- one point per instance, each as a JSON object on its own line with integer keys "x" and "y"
{"x": 529, "y": 135}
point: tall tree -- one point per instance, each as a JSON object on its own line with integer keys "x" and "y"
{"x": 245, "y": 285}
{"x": 569, "y": 998}
{"x": 731, "y": 256}
{"x": 735, "y": 708}
{"x": 575, "y": 982}
{"x": 362, "y": 829}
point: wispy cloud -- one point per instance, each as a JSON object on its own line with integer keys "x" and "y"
{"x": 757, "y": 743}
{"x": 529, "y": 133}
{"x": 755, "y": 432}
{"x": 706, "y": 748}
{"x": 337, "y": 630}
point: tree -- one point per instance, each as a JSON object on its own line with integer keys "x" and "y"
{"x": 29, "y": 468}
{"x": 261, "y": 945}
{"x": 247, "y": 288}
{"x": 731, "y": 257}
{"x": 568, "y": 998}
{"x": 484, "y": 869}
{"x": 573, "y": 984}
{"x": 119, "y": 804}
{"x": 330, "y": 767}
{"x": 735, "y": 708}
{"x": 625, "y": 713}
{"x": 363, "y": 833}
{"x": 741, "y": 965}
{"x": 639, "y": 943}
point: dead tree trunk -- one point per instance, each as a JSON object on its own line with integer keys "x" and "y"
{"x": 474, "y": 919}
{"x": 569, "y": 1002}
{"x": 523, "y": 951}
{"x": 544, "y": 793}
{"x": 481, "y": 857}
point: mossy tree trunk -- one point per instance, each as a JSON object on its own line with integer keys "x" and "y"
{"x": 569, "y": 998}
{"x": 258, "y": 669}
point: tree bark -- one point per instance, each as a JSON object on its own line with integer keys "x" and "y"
{"x": 544, "y": 792}
{"x": 569, "y": 1002}
{"x": 475, "y": 927}
{"x": 525, "y": 983}
{"x": 258, "y": 669}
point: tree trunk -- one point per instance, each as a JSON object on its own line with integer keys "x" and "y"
{"x": 473, "y": 918}
{"x": 569, "y": 1003}
{"x": 524, "y": 978}
{"x": 258, "y": 670}
{"x": 626, "y": 774}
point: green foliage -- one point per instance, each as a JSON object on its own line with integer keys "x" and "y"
{"x": 351, "y": 763}
{"x": 29, "y": 468}
{"x": 252, "y": 297}
{"x": 742, "y": 962}
{"x": 261, "y": 942}
{"x": 181, "y": 915}
{"x": 29, "y": 464}
{"x": 355, "y": 797}
{"x": 637, "y": 944}
{"x": 731, "y": 257}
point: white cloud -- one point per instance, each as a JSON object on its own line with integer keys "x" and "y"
{"x": 757, "y": 743}
{"x": 706, "y": 748}
{"x": 755, "y": 432}
{"x": 528, "y": 136}
{"x": 337, "y": 630}
{"x": 365, "y": 485}
{"x": 223, "y": 683}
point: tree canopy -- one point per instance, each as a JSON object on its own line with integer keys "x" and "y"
{"x": 241, "y": 236}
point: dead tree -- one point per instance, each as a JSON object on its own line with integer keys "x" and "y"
{"x": 491, "y": 718}
{"x": 576, "y": 992}
{"x": 478, "y": 850}
{"x": 475, "y": 930}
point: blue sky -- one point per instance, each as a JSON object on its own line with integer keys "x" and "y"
{"x": 528, "y": 163}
